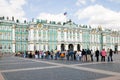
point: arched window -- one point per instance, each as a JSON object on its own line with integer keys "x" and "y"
{"x": 71, "y": 47}
{"x": 62, "y": 47}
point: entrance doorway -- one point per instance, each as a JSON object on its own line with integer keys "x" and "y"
{"x": 78, "y": 47}
{"x": 71, "y": 47}
{"x": 62, "y": 47}
{"x": 116, "y": 48}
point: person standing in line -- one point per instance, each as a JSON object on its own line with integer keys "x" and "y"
{"x": 88, "y": 55}
{"x": 67, "y": 55}
{"x": 110, "y": 55}
{"x": 92, "y": 53}
{"x": 74, "y": 55}
{"x": 36, "y": 54}
{"x": 77, "y": 55}
{"x": 108, "y": 52}
{"x": 83, "y": 55}
{"x": 103, "y": 53}
{"x": 51, "y": 54}
{"x": 97, "y": 55}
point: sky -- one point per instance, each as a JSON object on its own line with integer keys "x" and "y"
{"x": 104, "y": 13}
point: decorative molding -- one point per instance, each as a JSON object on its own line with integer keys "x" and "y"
{"x": 31, "y": 42}
{"x": 13, "y": 42}
{"x": 65, "y": 30}
{"x": 59, "y": 30}
{"x": 31, "y": 28}
{"x": 13, "y": 27}
{"x": 39, "y": 25}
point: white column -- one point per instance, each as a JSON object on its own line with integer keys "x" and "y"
{"x": 13, "y": 47}
{"x": 98, "y": 47}
{"x": 92, "y": 38}
{"x": 104, "y": 39}
{"x": 46, "y": 47}
{"x": 46, "y": 35}
{"x": 80, "y": 37}
{"x": 42, "y": 47}
{"x": 59, "y": 36}
{"x": 98, "y": 39}
{"x": 92, "y": 47}
{"x": 31, "y": 48}
{"x": 28, "y": 47}
{"x": 13, "y": 39}
{"x": 41, "y": 35}
{"x": 118, "y": 47}
{"x": 68, "y": 35}
{"x": 37, "y": 35}
{"x": 81, "y": 47}
{"x": 75, "y": 35}
{"x": 58, "y": 47}
{"x": 31, "y": 34}
{"x": 66, "y": 47}
{"x": 75, "y": 47}
{"x": 13, "y": 33}
{"x": 95, "y": 37}
{"x": 65, "y": 35}
{"x": 37, "y": 46}
{"x": 72, "y": 36}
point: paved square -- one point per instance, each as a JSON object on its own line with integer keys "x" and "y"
{"x": 16, "y": 68}
{"x": 113, "y": 67}
{"x": 53, "y": 74}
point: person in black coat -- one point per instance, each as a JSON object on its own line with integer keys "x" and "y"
{"x": 110, "y": 55}
{"x": 30, "y": 55}
{"x": 83, "y": 55}
{"x": 97, "y": 53}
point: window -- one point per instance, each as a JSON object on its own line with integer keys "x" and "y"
{"x": 9, "y": 47}
{"x": 0, "y": 46}
{"x": 5, "y": 47}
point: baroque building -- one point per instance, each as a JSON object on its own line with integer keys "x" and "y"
{"x": 43, "y": 35}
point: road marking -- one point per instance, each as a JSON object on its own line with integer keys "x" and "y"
{"x": 95, "y": 70}
{"x": 88, "y": 63}
{"x": 26, "y": 69}
{"x": 110, "y": 78}
{"x": 94, "y": 63}
{"x": 16, "y": 63}
{"x": 78, "y": 67}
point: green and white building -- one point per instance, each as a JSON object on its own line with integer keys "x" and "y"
{"x": 43, "y": 35}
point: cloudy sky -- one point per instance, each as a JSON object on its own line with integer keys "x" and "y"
{"x": 90, "y": 12}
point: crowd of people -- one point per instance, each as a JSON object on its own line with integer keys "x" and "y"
{"x": 86, "y": 55}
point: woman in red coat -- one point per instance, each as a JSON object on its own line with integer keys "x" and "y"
{"x": 103, "y": 54}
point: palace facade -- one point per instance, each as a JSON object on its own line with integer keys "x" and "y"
{"x": 43, "y": 35}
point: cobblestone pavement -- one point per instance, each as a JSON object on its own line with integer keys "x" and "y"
{"x": 16, "y": 68}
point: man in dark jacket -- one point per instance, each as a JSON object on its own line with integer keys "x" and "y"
{"x": 110, "y": 55}
{"x": 97, "y": 55}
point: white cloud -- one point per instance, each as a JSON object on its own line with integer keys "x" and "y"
{"x": 83, "y": 2}
{"x": 93, "y": 1}
{"x": 53, "y": 17}
{"x": 12, "y": 8}
{"x": 98, "y": 14}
